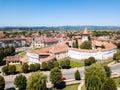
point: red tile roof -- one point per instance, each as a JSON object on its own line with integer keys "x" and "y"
{"x": 85, "y": 31}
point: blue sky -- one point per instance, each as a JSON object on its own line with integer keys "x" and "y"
{"x": 59, "y": 12}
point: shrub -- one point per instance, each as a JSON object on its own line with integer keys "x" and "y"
{"x": 37, "y": 66}
{"x": 89, "y": 61}
{"x": 5, "y": 69}
{"x": 56, "y": 64}
{"x": 32, "y": 67}
{"x": 108, "y": 71}
{"x": 44, "y": 66}
{"x": 12, "y": 68}
{"x": 20, "y": 82}
{"x": 50, "y": 65}
{"x": 65, "y": 64}
{"x": 25, "y": 68}
{"x": 77, "y": 75}
{"x": 109, "y": 85}
{"x": 2, "y": 83}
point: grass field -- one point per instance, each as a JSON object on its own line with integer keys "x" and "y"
{"x": 74, "y": 63}
{"x": 71, "y": 87}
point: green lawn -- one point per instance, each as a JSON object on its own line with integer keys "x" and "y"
{"x": 71, "y": 87}
{"x": 74, "y": 63}
{"x": 83, "y": 87}
{"x": 117, "y": 81}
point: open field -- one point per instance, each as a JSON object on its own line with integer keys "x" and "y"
{"x": 74, "y": 63}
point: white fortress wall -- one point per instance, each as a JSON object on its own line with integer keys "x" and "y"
{"x": 100, "y": 55}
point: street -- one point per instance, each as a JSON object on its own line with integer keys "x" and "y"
{"x": 67, "y": 73}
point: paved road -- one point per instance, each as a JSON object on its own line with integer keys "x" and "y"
{"x": 116, "y": 68}
{"x": 68, "y": 73}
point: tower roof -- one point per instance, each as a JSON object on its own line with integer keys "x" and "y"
{"x": 85, "y": 31}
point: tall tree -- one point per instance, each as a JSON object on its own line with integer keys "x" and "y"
{"x": 55, "y": 76}
{"x": 37, "y": 81}
{"x": 20, "y": 82}
{"x": 95, "y": 76}
{"x": 76, "y": 43}
{"x": 86, "y": 45}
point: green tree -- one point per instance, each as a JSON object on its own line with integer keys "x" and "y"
{"x": 65, "y": 64}
{"x": 20, "y": 82}
{"x": 37, "y": 66}
{"x": 109, "y": 85}
{"x": 2, "y": 83}
{"x": 5, "y": 70}
{"x": 75, "y": 45}
{"x": 32, "y": 67}
{"x": 56, "y": 64}
{"x": 50, "y": 65}
{"x": 25, "y": 68}
{"x": 89, "y": 61}
{"x": 116, "y": 56}
{"x": 37, "y": 81}
{"x": 95, "y": 76}
{"x": 12, "y": 68}
{"x": 86, "y": 45}
{"x": 55, "y": 76}
{"x": 107, "y": 70}
{"x": 77, "y": 75}
{"x": 44, "y": 66}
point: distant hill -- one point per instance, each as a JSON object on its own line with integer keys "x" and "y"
{"x": 64, "y": 27}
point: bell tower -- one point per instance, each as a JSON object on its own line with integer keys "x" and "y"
{"x": 85, "y": 35}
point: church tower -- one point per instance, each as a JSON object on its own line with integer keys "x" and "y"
{"x": 85, "y": 35}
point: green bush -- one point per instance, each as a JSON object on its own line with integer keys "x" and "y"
{"x": 50, "y": 65}
{"x": 89, "y": 61}
{"x": 56, "y": 64}
{"x": 2, "y": 83}
{"x": 109, "y": 85}
{"x": 12, "y": 69}
{"x": 20, "y": 82}
{"x": 108, "y": 71}
{"x": 77, "y": 75}
{"x": 32, "y": 67}
{"x": 5, "y": 70}
{"x": 44, "y": 66}
{"x": 65, "y": 64}
{"x": 25, "y": 67}
{"x": 37, "y": 66}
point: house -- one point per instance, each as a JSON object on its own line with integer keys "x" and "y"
{"x": 16, "y": 42}
{"x": 44, "y": 41}
{"x": 50, "y": 53}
